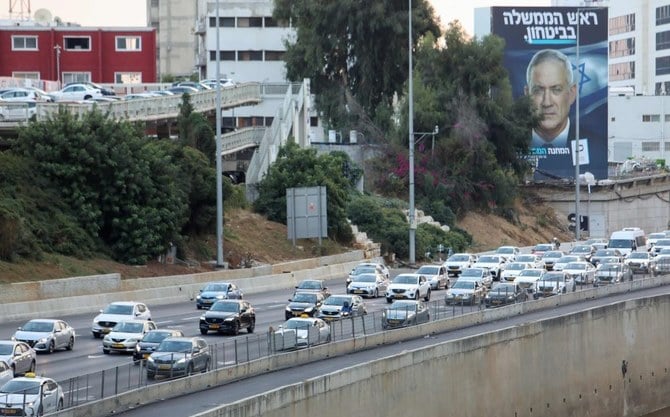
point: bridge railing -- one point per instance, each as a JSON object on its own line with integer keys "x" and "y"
{"x": 242, "y": 138}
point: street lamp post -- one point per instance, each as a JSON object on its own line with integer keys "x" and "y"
{"x": 219, "y": 164}
{"x": 58, "y": 48}
{"x": 577, "y": 142}
{"x": 412, "y": 219}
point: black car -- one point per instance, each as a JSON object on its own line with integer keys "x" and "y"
{"x": 504, "y": 293}
{"x": 176, "y": 356}
{"x": 313, "y": 285}
{"x": 150, "y": 341}
{"x": 404, "y": 313}
{"x": 303, "y": 303}
{"x": 229, "y": 316}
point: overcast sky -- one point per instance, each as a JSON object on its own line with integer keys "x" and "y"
{"x": 133, "y": 12}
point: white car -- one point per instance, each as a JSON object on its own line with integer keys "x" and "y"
{"x": 368, "y": 284}
{"x": 652, "y": 238}
{"x": 660, "y": 245}
{"x": 6, "y": 372}
{"x": 509, "y": 252}
{"x": 365, "y": 267}
{"x": 457, "y": 262}
{"x": 19, "y": 355}
{"x": 465, "y": 291}
{"x": 582, "y": 272}
{"x": 640, "y": 262}
{"x": 436, "y": 276}
{"x": 116, "y": 312}
{"x": 17, "y": 110}
{"x": 24, "y": 94}
{"x": 554, "y": 283}
{"x": 46, "y": 335}
{"x": 301, "y": 332}
{"x": 533, "y": 259}
{"x": 529, "y": 277}
{"x": 477, "y": 274}
{"x": 495, "y": 264}
{"x": 408, "y": 286}
{"x": 31, "y": 395}
{"x": 560, "y": 264}
{"x": 76, "y": 92}
{"x": 125, "y": 336}
{"x": 550, "y": 258}
{"x": 513, "y": 269}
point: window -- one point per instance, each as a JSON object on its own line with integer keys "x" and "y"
{"x": 250, "y": 55}
{"x": 249, "y": 22}
{"x": 154, "y": 3}
{"x": 77, "y": 43}
{"x": 622, "y": 24}
{"x": 651, "y": 146}
{"x": 622, "y": 47}
{"x": 76, "y": 77}
{"x": 24, "y": 43}
{"x": 127, "y": 77}
{"x": 662, "y": 15}
{"x": 128, "y": 43}
{"x": 27, "y": 75}
{"x": 223, "y": 55}
{"x": 224, "y": 22}
{"x": 622, "y": 71}
{"x": 274, "y": 55}
{"x": 270, "y": 22}
{"x": 651, "y": 118}
{"x": 663, "y": 66}
{"x": 314, "y": 121}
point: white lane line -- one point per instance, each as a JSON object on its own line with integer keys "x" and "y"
{"x": 190, "y": 318}
{"x": 96, "y": 356}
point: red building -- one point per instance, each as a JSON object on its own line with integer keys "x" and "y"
{"x": 74, "y": 54}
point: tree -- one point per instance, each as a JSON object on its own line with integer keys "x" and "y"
{"x": 354, "y": 52}
{"x": 194, "y": 129}
{"x": 296, "y": 167}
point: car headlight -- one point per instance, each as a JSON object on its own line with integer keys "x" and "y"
{"x": 288, "y": 308}
{"x": 197, "y": 297}
{"x": 220, "y": 297}
{"x": 43, "y": 340}
{"x": 13, "y": 338}
{"x": 181, "y": 360}
{"x": 137, "y": 347}
{"x": 150, "y": 359}
{"x": 510, "y": 297}
{"x": 106, "y": 338}
{"x": 309, "y": 309}
{"x": 132, "y": 340}
{"x": 202, "y": 317}
{"x": 229, "y": 319}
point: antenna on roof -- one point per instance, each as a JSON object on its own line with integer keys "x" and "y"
{"x": 24, "y": 9}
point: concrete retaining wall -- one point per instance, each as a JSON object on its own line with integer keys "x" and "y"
{"x": 91, "y": 293}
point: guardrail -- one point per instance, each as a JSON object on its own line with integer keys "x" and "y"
{"x": 242, "y": 138}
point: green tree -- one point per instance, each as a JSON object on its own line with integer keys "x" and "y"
{"x": 296, "y": 167}
{"x": 354, "y": 52}
{"x": 195, "y": 130}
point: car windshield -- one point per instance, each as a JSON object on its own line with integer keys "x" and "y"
{"x": 6, "y": 349}
{"x": 638, "y": 255}
{"x": 463, "y": 284}
{"x": 656, "y": 236}
{"x": 305, "y": 298}
{"x": 531, "y": 273}
{"x": 576, "y": 266}
{"x": 552, "y": 277}
{"x": 505, "y": 250}
{"x": 484, "y": 259}
{"x": 362, "y": 269}
{"x": 310, "y": 285}
{"x": 297, "y": 324}
{"x": 605, "y": 252}
{"x": 403, "y": 305}
{"x": 405, "y": 279}
{"x": 503, "y": 288}
{"x": 620, "y": 243}
{"x": 119, "y": 309}
{"x": 567, "y": 259}
{"x": 38, "y": 326}
{"x": 216, "y": 288}
{"x": 663, "y": 242}
{"x": 458, "y": 258}
{"x": 553, "y": 254}
{"x": 155, "y": 337}
{"x": 21, "y": 386}
{"x": 526, "y": 258}
{"x": 611, "y": 268}
{"x": 334, "y": 300}
{"x": 366, "y": 278}
{"x": 225, "y": 307}
{"x": 581, "y": 249}
{"x": 516, "y": 266}
{"x": 128, "y": 327}
{"x": 174, "y": 346}
{"x": 472, "y": 272}
{"x": 429, "y": 270}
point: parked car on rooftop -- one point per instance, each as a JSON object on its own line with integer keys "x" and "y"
{"x": 76, "y": 92}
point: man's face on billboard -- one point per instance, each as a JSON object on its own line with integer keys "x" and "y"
{"x": 552, "y": 97}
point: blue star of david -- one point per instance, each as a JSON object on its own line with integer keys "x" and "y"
{"x": 583, "y": 78}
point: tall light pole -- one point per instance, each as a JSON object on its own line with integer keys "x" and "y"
{"x": 219, "y": 177}
{"x": 412, "y": 219}
{"x": 58, "y": 48}
{"x": 577, "y": 143}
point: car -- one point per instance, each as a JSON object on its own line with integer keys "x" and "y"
{"x": 369, "y": 284}
{"x": 197, "y": 85}
{"x": 662, "y": 264}
{"x": 660, "y": 245}
{"x": 303, "y": 303}
{"x": 24, "y": 95}
{"x": 551, "y": 257}
{"x": 596, "y": 241}
{"x": 76, "y": 92}
{"x": 458, "y": 262}
{"x": 436, "y": 275}
{"x": 582, "y": 272}
{"x": 604, "y": 253}
{"x": 179, "y": 356}
{"x": 229, "y": 316}
{"x": 478, "y": 274}
{"x": 528, "y": 277}
{"x": 554, "y": 283}
{"x": 215, "y": 291}
{"x": 465, "y": 291}
{"x": 17, "y": 110}
{"x": 403, "y": 313}
{"x": 652, "y": 238}
{"x": 6, "y": 372}
{"x": 495, "y": 263}
{"x": 341, "y": 306}
{"x": 20, "y": 357}
{"x": 503, "y": 293}
{"x": 46, "y": 335}
{"x": 181, "y": 89}
{"x": 513, "y": 269}
{"x": 534, "y": 259}
{"x": 31, "y": 395}
{"x": 298, "y": 332}
{"x": 150, "y": 342}
{"x": 585, "y": 251}
{"x": 612, "y": 274}
{"x": 103, "y": 90}
{"x": 408, "y": 286}
{"x": 566, "y": 259}
{"x": 125, "y": 336}
{"x": 313, "y": 285}
{"x": 641, "y": 262}
{"x": 366, "y": 267}
{"x": 116, "y": 312}
{"x": 509, "y": 252}
{"x": 213, "y": 83}
{"x": 542, "y": 248}
{"x": 141, "y": 96}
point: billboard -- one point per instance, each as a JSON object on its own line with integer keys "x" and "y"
{"x": 558, "y": 57}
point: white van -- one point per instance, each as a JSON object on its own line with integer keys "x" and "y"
{"x": 627, "y": 240}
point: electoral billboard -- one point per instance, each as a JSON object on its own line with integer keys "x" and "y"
{"x": 558, "y": 57}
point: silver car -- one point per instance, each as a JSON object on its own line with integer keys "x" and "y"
{"x": 6, "y": 372}
{"x": 19, "y": 356}
{"x": 368, "y": 284}
{"x": 299, "y": 332}
{"x": 436, "y": 275}
{"x": 177, "y": 356}
{"x": 31, "y": 395}
{"x": 46, "y": 335}
{"x": 125, "y": 336}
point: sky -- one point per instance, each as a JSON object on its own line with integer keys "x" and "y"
{"x": 133, "y": 12}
